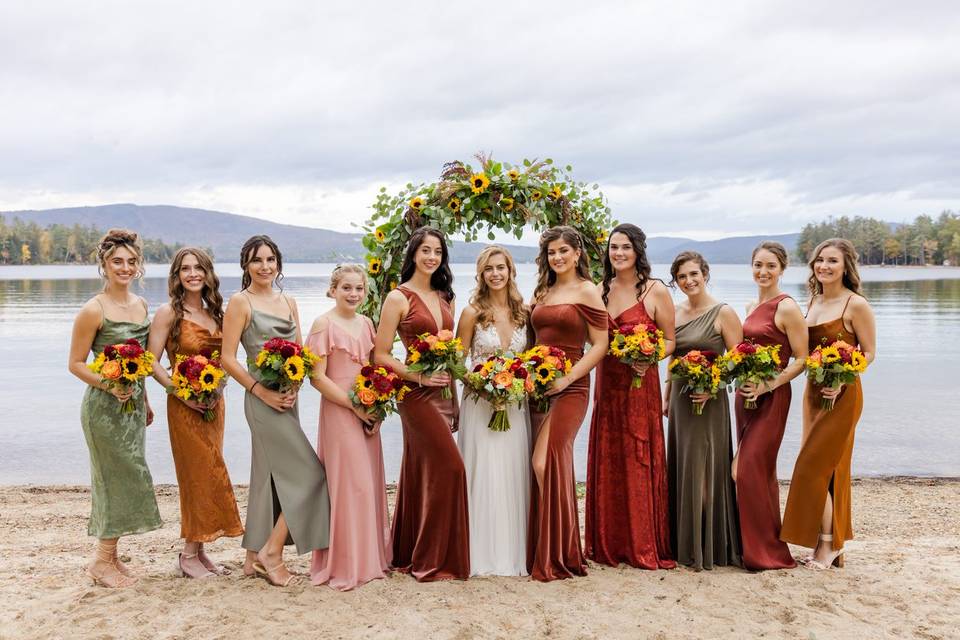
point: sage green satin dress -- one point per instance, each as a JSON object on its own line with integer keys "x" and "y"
{"x": 121, "y": 487}
{"x": 285, "y": 473}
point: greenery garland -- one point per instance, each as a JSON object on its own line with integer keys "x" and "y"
{"x": 466, "y": 201}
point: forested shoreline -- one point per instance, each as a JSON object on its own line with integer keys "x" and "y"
{"x": 30, "y": 243}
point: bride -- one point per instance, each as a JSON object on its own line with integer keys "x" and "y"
{"x": 497, "y": 462}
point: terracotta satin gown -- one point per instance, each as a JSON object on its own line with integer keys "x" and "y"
{"x": 627, "y": 512}
{"x": 208, "y": 508}
{"x": 823, "y": 463}
{"x": 759, "y": 434}
{"x": 553, "y": 548}
{"x": 431, "y": 532}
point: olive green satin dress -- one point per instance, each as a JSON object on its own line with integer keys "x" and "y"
{"x": 121, "y": 487}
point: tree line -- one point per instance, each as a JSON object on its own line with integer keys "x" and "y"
{"x": 924, "y": 241}
{"x": 29, "y": 243}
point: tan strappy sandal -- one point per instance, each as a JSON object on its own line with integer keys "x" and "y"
{"x": 117, "y": 580}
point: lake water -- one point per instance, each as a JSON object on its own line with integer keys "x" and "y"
{"x": 909, "y": 424}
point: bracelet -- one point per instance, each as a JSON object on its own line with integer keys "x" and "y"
{"x": 420, "y": 379}
{"x": 255, "y": 383}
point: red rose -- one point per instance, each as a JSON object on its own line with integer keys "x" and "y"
{"x": 366, "y": 370}
{"x": 109, "y": 351}
{"x": 130, "y": 351}
{"x": 536, "y": 360}
{"x": 521, "y": 373}
{"x": 628, "y": 328}
{"x": 423, "y": 346}
{"x": 747, "y": 348}
{"x": 183, "y": 367}
{"x": 397, "y": 383}
{"x": 652, "y": 328}
{"x": 709, "y": 355}
{"x": 846, "y": 355}
{"x": 206, "y": 353}
{"x": 132, "y": 341}
{"x": 288, "y": 351}
{"x": 382, "y": 385}
{"x": 478, "y": 368}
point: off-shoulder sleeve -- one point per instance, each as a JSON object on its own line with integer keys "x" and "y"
{"x": 596, "y": 318}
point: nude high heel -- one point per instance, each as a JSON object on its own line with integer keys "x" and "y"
{"x": 835, "y": 559}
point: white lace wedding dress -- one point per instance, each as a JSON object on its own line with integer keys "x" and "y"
{"x": 498, "y": 473}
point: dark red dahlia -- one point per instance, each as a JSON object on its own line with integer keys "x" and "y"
{"x": 109, "y": 351}
{"x": 288, "y": 350}
{"x": 206, "y": 353}
{"x": 747, "y": 348}
{"x": 366, "y": 370}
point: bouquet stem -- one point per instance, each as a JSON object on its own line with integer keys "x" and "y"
{"x": 749, "y": 404}
{"x": 209, "y": 415}
{"x": 637, "y": 382}
{"x": 827, "y": 403}
{"x": 128, "y": 406}
{"x": 446, "y": 394}
{"x": 499, "y": 421}
{"x": 698, "y": 408}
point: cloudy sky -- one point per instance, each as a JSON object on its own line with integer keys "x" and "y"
{"x": 699, "y": 119}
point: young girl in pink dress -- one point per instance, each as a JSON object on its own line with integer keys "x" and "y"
{"x": 348, "y": 443}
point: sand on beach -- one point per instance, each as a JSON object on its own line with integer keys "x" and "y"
{"x": 902, "y": 580}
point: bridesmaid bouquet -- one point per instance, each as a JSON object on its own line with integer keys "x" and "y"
{"x": 750, "y": 362}
{"x": 637, "y": 344}
{"x": 199, "y": 378}
{"x": 503, "y": 379}
{"x": 435, "y": 353}
{"x": 545, "y": 364}
{"x": 122, "y": 366}
{"x": 283, "y": 364}
{"x": 699, "y": 372}
{"x": 377, "y": 389}
{"x": 834, "y": 365}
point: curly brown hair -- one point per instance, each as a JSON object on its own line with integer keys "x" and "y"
{"x": 210, "y": 295}
{"x": 546, "y": 277}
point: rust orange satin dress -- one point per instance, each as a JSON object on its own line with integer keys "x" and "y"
{"x": 208, "y": 508}
{"x": 759, "y": 434}
{"x": 431, "y": 533}
{"x": 628, "y": 513}
{"x": 553, "y": 534}
{"x": 823, "y": 463}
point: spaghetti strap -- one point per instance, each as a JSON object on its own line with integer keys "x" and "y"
{"x": 845, "y": 304}
{"x": 649, "y": 289}
{"x": 289, "y": 304}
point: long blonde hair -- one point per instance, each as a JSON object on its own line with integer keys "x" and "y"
{"x": 851, "y": 275}
{"x": 481, "y": 295}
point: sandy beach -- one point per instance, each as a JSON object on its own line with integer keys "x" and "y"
{"x": 902, "y": 580}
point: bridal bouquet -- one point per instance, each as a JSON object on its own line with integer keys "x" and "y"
{"x": 430, "y": 354}
{"x": 377, "y": 389}
{"x": 199, "y": 378}
{"x": 637, "y": 344}
{"x": 503, "y": 379}
{"x": 545, "y": 364}
{"x": 750, "y": 362}
{"x": 283, "y": 365}
{"x": 122, "y": 366}
{"x": 834, "y": 365}
{"x": 699, "y": 373}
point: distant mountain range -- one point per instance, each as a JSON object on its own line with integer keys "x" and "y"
{"x": 226, "y": 232}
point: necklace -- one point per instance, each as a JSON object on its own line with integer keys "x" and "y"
{"x": 122, "y": 305}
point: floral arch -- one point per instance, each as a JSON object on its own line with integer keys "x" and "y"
{"x": 467, "y": 201}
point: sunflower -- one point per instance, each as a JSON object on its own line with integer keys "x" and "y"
{"x": 416, "y": 203}
{"x": 210, "y": 378}
{"x": 454, "y": 204}
{"x": 556, "y": 192}
{"x": 513, "y": 174}
{"x": 262, "y": 357}
{"x": 545, "y": 374}
{"x": 379, "y": 235}
{"x": 374, "y": 265}
{"x": 536, "y": 195}
{"x": 130, "y": 369}
{"x": 294, "y": 368}
{"x": 479, "y": 182}
{"x": 602, "y": 238}
{"x": 506, "y": 204}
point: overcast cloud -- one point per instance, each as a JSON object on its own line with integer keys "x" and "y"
{"x": 702, "y": 119}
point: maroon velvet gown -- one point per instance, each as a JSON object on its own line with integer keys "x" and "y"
{"x": 553, "y": 535}
{"x": 628, "y": 510}
{"x": 759, "y": 433}
{"x": 431, "y": 533}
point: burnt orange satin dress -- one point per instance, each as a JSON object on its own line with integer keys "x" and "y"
{"x": 823, "y": 463}
{"x": 554, "y": 550}
{"x": 431, "y": 532}
{"x": 208, "y": 508}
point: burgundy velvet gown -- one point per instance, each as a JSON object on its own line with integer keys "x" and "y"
{"x": 431, "y": 533}
{"x": 628, "y": 510}
{"x": 759, "y": 433}
{"x": 553, "y": 535}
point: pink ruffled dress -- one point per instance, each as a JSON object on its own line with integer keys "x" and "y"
{"x": 359, "y": 548}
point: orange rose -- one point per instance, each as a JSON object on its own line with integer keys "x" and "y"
{"x": 528, "y": 385}
{"x": 444, "y": 335}
{"x": 554, "y": 362}
{"x": 647, "y": 347}
{"x": 110, "y": 370}
{"x": 431, "y": 340}
{"x": 200, "y": 359}
{"x": 366, "y": 396}
{"x": 503, "y": 379}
